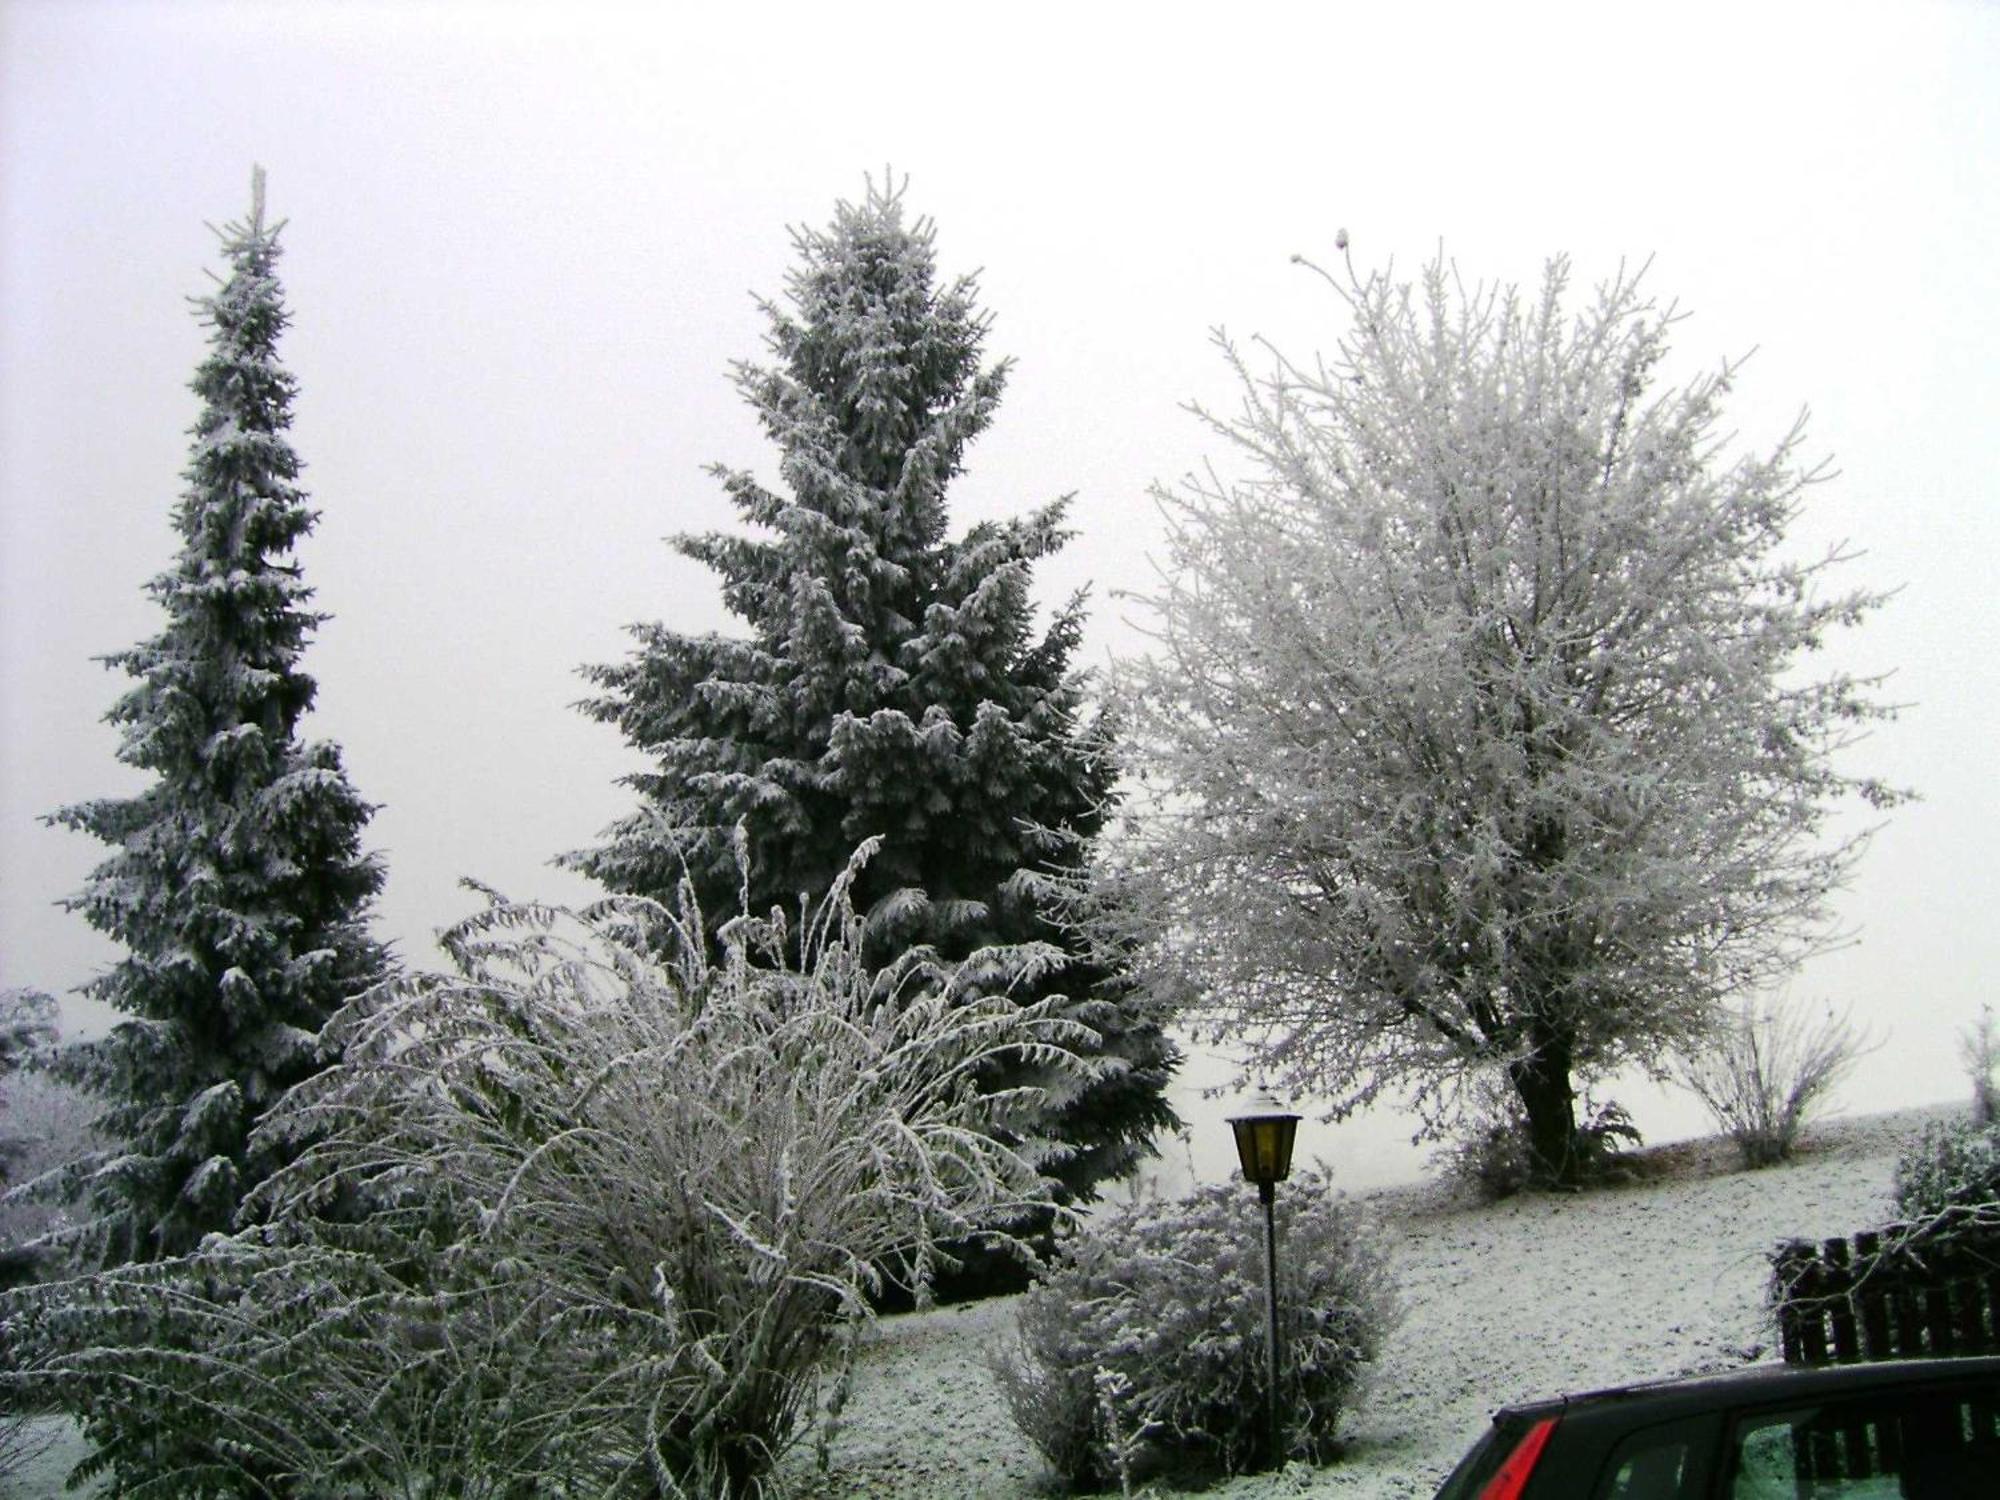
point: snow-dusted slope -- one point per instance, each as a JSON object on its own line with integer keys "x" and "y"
{"x": 1528, "y": 1297}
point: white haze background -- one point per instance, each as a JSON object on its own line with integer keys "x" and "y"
{"x": 522, "y": 250}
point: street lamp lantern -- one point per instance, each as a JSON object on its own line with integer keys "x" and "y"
{"x": 1264, "y": 1134}
{"x": 1265, "y": 1130}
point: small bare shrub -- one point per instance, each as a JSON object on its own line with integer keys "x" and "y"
{"x": 1772, "y": 1067}
{"x": 1144, "y": 1344}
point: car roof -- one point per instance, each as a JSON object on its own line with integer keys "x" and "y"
{"x": 1761, "y": 1383}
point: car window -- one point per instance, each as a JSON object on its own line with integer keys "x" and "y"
{"x": 1656, "y": 1463}
{"x": 1941, "y": 1443}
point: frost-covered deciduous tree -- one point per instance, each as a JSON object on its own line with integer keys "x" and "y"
{"x": 27, "y": 1021}
{"x": 237, "y": 884}
{"x": 890, "y": 683}
{"x": 629, "y": 1198}
{"x": 1479, "y": 732}
{"x": 45, "y": 1124}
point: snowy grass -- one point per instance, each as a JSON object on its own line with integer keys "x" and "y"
{"x": 1539, "y": 1294}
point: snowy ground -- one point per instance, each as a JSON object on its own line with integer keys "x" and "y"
{"x": 1524, "y": 1298}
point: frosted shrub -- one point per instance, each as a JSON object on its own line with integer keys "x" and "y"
{"x": 620, "y": 1202}
{"x": 1489, "y": 1153}
{"x": 1951, "y": 1164}
{"x": 1144, "y": 1344}
{"x": 1770, "y": 1069}
{"x": 1602, "y": 1138}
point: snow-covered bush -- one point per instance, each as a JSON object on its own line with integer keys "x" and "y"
{"x": 1488, "y": 1153}
{"x": 1491, "y": 1153}
{"x": 1603, "y": 1137}
{"x": 1144, "y": 1343}
{"x": 1951, "y": 1164}
{"x": 586, "y": 1217}
{"x": 1769, "y": 1069}
{"x": 27, "y": 1024}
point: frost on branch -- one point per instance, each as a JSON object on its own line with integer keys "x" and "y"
{"x": 591, "y": 1211}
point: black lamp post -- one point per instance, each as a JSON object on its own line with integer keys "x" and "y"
{"x": 1264, "y": 1133}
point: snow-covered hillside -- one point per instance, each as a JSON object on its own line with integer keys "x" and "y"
{"x": 1528, "y": 1297}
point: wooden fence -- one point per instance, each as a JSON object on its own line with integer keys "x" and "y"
{"x": 1891, "y": 1293}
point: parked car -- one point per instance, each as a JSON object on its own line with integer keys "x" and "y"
{"x": 1923, "y": 1429}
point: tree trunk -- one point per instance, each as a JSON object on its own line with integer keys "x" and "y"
{"x": 1548, "y": 1095}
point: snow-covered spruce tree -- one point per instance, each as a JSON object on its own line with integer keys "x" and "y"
{"x": 1478, "y": 723}
{"x": 890, "y": 684}
{"x": 237, "y": 884}
{"x": 632, "y": 1197}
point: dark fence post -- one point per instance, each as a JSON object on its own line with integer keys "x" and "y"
{"x": 1905, "y": 1311}
{"x": 1812, "y": 1289}
{"x": 1873, "y": 1307}
{"x": 1989, "y": 1286}
{"x": 1790, "y": 1265}
{"x": 1838, "y": 1288}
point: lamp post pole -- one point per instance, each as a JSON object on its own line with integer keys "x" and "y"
{"x": 1268, "y": 1192}
{"x": 1264, "y": 1135}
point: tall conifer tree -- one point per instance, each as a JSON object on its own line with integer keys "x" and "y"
{"x": 891, "y": 682}
{"x": 237, "y": 883}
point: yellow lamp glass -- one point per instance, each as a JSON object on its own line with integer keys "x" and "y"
{"x": 1265, "y": 1131}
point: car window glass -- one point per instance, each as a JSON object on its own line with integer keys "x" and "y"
{"x": 1938, "y": 1444}
{"x": 1654, "y": 1464}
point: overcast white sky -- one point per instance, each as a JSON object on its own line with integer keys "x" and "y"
{"x": 522, "y": 248}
